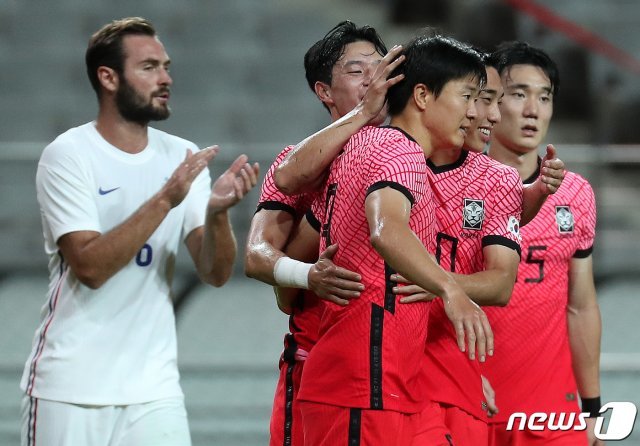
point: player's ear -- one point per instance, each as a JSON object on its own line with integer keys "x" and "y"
{"x": 108, "y": 78}
{"x": 421, "y": 96}
{"x": 323, "y": 91}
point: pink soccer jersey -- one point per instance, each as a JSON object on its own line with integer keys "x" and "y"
{"x": 370, "y": 352}
{"x": 286, "y": 421}
{"x": 479, "y": 202}
{"x": 271, "y": 198}
{"x": 531, "y": 369}
{"x": 304, "y": 319}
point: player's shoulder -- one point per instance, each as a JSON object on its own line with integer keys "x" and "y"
{"x": 390, "y": 142}
{"x": 484, "y": 164}
{"x": 67, "y": 145}
{"x": 575, "y": 178}
{"x": 574, "y": 184}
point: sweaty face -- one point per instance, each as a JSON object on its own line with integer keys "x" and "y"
{"x": 488, "y": 112}
{"x": 449, "y": 117}
{"x": 526, "y": 108}
{"x": 144, "y": 88}
{"x": 350, "y": 79}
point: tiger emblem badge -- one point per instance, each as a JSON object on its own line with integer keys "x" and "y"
{"x": 473, "y": 214}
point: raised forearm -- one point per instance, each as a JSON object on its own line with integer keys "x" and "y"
{"x": 532, "y": 201}
{"x": 218, "y": 249}
{"x": 303, "y": 169}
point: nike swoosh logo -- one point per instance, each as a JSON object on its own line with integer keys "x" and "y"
{"x": 102, "y": 191}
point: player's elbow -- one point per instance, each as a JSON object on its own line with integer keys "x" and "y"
{"x": 379, "y": 243}
{"x": 504, "y": 295}
{"x": 502, "y": 299}
{"x": 250, "y": 263}
{"x": 216, "y": 280}
{"x": 217, "y": 277}
{"x": 284, "y": 182}
{"x": 380, "y": 237}
{"x": 89, "y": 277}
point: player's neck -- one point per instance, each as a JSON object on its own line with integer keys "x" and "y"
{"x": 445, "y": 157}
{"x": 525, "y": 163}
{"x": 128, "y": 136}
{"x": 412, "y": 125}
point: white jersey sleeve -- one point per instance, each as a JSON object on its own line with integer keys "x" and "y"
{"x": 66, "y": 200}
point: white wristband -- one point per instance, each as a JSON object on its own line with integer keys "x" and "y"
{"x": 290, "y": 273}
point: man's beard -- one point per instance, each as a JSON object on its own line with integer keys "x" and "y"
{"x": 134, "y": 107}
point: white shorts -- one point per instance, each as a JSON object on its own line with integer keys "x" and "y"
{"x": 157, "y": 423}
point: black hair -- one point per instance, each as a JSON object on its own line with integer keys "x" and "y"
{"x": 323, "y": 55}
{"x": 433, "y": 60}
{"x": 508, "y": 54}
{"x": 105, "y": 46}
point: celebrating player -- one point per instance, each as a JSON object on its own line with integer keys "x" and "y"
{"x": 360, "y": 379}
{"x": 339, "y": 69}
{"x": 478, "y": 204}
{"x": 549, "y": 334}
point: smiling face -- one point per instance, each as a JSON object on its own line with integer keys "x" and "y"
{"x": 449, "y": 117}
{"x": 488, "y": 112}
{"x": 526, "y": 108}
{"x": 144, "y": 86}
{"x": 350, "y": 79}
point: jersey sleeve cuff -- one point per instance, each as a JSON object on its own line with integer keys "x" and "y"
{"x": 500, "y": 240}
{"x": 397, "y": 186}
{"x": 583, "y": 253}
{"x": 276, "y": 206}
{"x": 313, "y": 221}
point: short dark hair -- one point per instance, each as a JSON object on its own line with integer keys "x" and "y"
{"x": 433, "y": 60}
{"x": 323, "y": 55}
{"x": 490, "y": 60}
{"x": 105, "y": 46}
{"x": 512, "y": 53}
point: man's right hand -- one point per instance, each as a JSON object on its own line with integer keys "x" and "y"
{"x": 331, "y": 282}
{"x": 376, "y": 96}
{"x": 470, "y": 322}
{"x": 178, "y": 185}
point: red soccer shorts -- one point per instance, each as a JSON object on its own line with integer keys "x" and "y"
{"x": 327, "y": 425}
{"x": 432, "y": 430}
{"x": 286, "y": 421}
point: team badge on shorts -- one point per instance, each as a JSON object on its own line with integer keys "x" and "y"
{"x": 564, "y": 219}
{"x": 473, "y": 214}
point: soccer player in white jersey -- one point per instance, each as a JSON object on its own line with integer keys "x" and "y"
{"x": 116, "y": 198}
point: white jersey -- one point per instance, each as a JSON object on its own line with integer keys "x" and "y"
{"x": 115, "y": 345}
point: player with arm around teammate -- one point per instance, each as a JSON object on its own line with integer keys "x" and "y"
{"x": 378, "y": 210}
{"x": 339, "y": 69}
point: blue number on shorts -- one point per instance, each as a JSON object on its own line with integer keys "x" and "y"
{"x": 144, "y": 256}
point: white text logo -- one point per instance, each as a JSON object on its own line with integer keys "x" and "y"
{"x": 621, "y": 421}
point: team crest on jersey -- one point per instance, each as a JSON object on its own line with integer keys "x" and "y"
{"x": 513, "y": 226}
{"x": 473, "y": 214}
{"x": 564, "y": 219}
